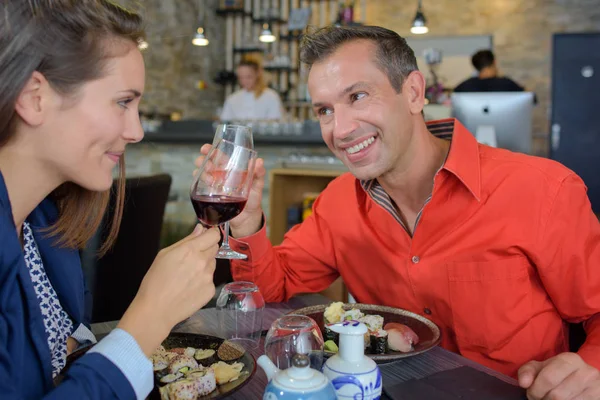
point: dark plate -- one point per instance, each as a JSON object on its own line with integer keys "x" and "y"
{"x": 199, "y": 341}
{"x": 427, "y": 331}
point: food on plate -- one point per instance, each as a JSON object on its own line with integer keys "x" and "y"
{"x": 205, "y": 357}
{"x": 196, "y": 383}
{"x": 189, "y": 373}
{"x": 379, "y": 339}
{"x": 330, "y": 345}
{"x": 400, "y": 337}
{"x": 181, "y": 362}
{"x": 379, "y": 342}
{"x": 171, "y": 377}
{"x": 333, "y": 313}
{"x": 229, "y": 351}
{"x": 227, "y": 372}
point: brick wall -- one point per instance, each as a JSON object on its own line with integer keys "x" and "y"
{"x": 521, "y": 29}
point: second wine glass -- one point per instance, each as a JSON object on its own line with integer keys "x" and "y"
{"x": 221, "y": 186}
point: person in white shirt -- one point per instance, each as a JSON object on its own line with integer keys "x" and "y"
{"x": 254, "y": 101}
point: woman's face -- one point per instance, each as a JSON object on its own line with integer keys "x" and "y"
{"x": 247, "y": 77}
{"x": 83, "y": 142}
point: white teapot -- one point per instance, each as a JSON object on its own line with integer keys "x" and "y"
{"x": 299, "y": 382}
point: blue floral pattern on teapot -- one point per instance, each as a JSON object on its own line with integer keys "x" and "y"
{"x": 353, "y": 375}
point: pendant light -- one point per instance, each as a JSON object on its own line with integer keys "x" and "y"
{"x": 419, "y": 25}
{"x": 266, "y": 36}
{"x": 199, "y": 38}
{"x": 142, "y": 44}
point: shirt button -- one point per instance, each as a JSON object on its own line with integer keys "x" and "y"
{"x": 415, "y": 259}
{"x": 427, "y": 311}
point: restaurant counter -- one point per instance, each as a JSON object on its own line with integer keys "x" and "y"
{"x": 300, "y": 133}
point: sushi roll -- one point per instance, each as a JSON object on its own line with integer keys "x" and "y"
{"x": 379, "y": 342}
{"x": 372, "y": 321}
{"x": 205, "y": 357}
{"x": 353, "y": 314}
{"x": 180, "y": 362}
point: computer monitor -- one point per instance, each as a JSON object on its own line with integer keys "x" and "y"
{"x": 503, "y": 118}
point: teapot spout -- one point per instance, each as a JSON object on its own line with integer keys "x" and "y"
{"x": 267, "y": 365}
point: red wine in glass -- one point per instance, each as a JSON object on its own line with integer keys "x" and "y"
{"x": 217, "y": 209}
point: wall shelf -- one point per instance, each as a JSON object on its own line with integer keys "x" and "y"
{"x": 243, "y": 24}
{"x": 232, "y": 11}
{"x": 267, "y": 20}
{"x": 248, "y": 50}
{"x": 290, "y": 38}
{"x": 288, "y": 187}
{"x": 280, "y": 69}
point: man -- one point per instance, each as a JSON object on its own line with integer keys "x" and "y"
{"x": 499, "y": 249}
{"x": 487, "y": 79}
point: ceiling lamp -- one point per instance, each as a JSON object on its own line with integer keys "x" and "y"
{"x": 419, "y": 25}
{"x": 142, "y": 44}
{"x": 266, "y": 36}
{"x": 199, "y": 38}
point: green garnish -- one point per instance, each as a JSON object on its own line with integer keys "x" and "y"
{"x": 330, "y": 346}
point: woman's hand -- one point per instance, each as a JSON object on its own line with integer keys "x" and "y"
{"x": 249, "y": 221}
{"x": 72, "y": 345}
{"x": 179, "y": 282}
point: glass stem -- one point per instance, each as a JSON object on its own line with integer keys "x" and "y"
{"x": 225, "y": 244}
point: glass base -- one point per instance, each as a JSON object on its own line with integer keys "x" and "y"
{"x": 227, "y": 253}
{"x": 246, "y": 343}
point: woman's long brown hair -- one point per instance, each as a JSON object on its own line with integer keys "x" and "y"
{"x": 68, "y": 42}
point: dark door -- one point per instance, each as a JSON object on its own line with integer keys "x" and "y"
{"x": 575, "y": 127}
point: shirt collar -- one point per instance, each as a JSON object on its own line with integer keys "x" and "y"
{"x": 463, "y": 157}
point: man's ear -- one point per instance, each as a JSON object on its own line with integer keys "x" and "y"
{"x": 414, "y": 91}
{"x": 33, "y": 99}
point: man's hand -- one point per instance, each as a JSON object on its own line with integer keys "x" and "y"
{"x": 563, "y": 377}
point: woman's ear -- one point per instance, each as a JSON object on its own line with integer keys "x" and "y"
{"x": 33, "y": 100}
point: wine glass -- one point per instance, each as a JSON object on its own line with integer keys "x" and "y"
{"x": 240, "y": 308}
{"x": 242, "y": 136}
{"x": 220, "y": 188}
{"x": 293, "y": 334}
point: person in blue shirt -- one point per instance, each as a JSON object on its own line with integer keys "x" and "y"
{"x": 71, "y": 78}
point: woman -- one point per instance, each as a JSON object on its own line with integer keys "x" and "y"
{"x": 71, "y": 78}
{"x": 254, "y": 101}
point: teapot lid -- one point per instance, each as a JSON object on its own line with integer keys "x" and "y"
{"x": 300, "y": 376}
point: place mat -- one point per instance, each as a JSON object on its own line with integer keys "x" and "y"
{"x": 463, "y": 383}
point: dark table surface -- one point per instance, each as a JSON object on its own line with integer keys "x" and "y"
{"x": 205, "y": 321}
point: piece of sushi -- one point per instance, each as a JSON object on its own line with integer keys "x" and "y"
{"x": 333, "y": 313}
{"x": 189, "y": 351}
{"x": 373, "y": 322}
{"x": 400, "y": 337}
{"x": 159, "y": 362}
{"x": 184, "y": 389}
{"x": 353, "y": 314}
{"x": 205, "y": 357}
{"x": 182, "y": 361}
{"x": 379, "y": 342}
{"x": 205, "y": 380}
{"x": 171, "y": 377}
